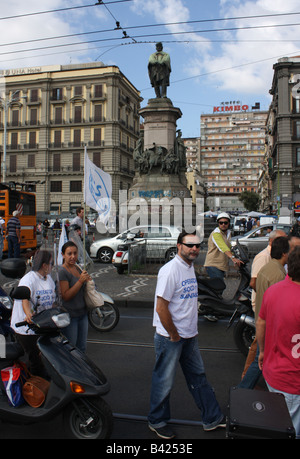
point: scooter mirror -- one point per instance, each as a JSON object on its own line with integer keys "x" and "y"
{"x": 20, "y": 293}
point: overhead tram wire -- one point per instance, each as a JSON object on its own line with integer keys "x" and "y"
{"x": 137, "y": 37}
{"x": 62, "y": 9}
{"x": 259, "y": 16}
{"x": 156, "y": 25}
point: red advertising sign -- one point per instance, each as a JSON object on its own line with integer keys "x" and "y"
{"x": 231, "y": 108}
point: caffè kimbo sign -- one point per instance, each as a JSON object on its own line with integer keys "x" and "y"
{"x": 234, "y": 106}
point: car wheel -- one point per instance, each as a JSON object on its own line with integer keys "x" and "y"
{"x": 171, "y": 253}
{"x": 105, "y": 255}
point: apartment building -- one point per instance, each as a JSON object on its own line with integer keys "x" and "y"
{"x": 195, "y": 182}
{"x": 52, "y": 113}
{"x": 283, "y": 137}
{"x": 232, "y": 153}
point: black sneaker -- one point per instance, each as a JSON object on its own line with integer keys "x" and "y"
{"x": 221, "y": 424}
{"x": 163, "y": 432}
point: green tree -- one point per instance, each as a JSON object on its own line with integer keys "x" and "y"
{"x": 250, "y": 199}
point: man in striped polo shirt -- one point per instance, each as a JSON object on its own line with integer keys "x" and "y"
{"x": 13, "y": 231}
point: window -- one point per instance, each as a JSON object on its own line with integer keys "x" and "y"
{"x": 57, "y": 94}
{"x": 33, "y": 116}
{"x": 297, "y": 129}
{"x": 57, "y": 139}
{"x": 34, "y": 95}
{"x": 77, "y": 114}
{"x": 56, "y": 162}
{"x": 97, "y": 159}
{"x": 58, "y": 115}
{"x": 15, "y": 118}
{"x": 55, "y": 207}
{"x": 13, "y": 163}
{"x": 31, "y": 160}
{"x": 77, "y": 138}
{"x": 98, "y": 90}
{"x": 98, "y": 113}
{"x": 56, "y": 187}
{"x": 78, "y": 90}
{"x": 297, "y": 156}
{"x": 97, "y": 136}
{"x": 14, "y": 140}
{"x": 32, "y": 139}
{"x": 76, "y": 161}
{"x": 75, "y": 186}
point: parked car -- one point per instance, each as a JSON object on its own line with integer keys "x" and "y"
{"x": 161, "y": 242}
{"x": 258, "y": 238}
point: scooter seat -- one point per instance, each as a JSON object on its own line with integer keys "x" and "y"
{"x": 215, "y": 284}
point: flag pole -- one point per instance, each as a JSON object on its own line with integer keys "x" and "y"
{"x": 83, "y": 226}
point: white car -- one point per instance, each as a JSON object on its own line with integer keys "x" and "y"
{"x": 161, "y": 242}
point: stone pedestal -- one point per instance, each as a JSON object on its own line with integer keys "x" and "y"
{"x": 160, "y": 160}
{"x": 160, "y": 123}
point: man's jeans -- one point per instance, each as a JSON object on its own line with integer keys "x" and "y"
{"x": 186, "y": 352}
{"x": 252, "y": 375}
{"x": 293, "y": 404}
{"x": 13, "y": 247}
{"x": 215, "y": 272}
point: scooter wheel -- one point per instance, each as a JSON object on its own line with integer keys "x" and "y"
{"x": 88, "y": 419}
{"x": 104, "y": 318}
{"x": 243, "y": 337}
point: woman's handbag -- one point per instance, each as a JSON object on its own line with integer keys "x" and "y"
{"x": 35, "y": 390}
{"x": 92, "y": 298}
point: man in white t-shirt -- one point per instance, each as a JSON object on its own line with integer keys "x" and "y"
{"x": 176, "y": 322}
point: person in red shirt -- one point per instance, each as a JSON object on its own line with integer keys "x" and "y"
{"x": 278, "y": 336}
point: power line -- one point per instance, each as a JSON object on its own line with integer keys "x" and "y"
{"x": 162, "y": 34}
{"x": 160, "y": 25}
{"x": 61, "y": 9}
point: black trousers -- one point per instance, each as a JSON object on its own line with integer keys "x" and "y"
{"x": 35, "y": 364}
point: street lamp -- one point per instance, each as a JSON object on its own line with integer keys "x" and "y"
{"x": 5, "y": 104}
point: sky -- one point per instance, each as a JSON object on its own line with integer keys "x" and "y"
{"x": 221, "y": 50}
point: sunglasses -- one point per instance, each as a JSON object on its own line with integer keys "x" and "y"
{"x": 191, "y": 245}
{"x": 223, "y": 223}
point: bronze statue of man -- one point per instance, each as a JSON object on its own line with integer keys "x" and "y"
{"x": 159, "y": 69}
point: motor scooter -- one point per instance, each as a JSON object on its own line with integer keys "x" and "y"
{"x": 120, "y": 258}
{"x": 6, "y": 306}
{"x": 213, "y": 306}
{"x": 13, "y": 268}
{"x": 76, "y": 383}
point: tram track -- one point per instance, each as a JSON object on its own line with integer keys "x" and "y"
{"x": 151, "y": 346}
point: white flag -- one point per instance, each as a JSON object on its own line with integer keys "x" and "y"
{"x": 97, "y": 189}
{"x": 63, "y": 238}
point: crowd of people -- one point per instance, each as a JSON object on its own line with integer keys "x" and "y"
{"x": 275, "y": 283}
{"x": 275, "y": 354}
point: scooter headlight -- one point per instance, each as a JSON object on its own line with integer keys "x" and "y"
{"x": 61, "y": 320}
{"x": 7, "y": 303}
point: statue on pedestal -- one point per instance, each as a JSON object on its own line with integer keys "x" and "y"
{"x": 159, "y": 69}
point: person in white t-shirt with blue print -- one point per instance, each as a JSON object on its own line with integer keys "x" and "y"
{"x": 176, "y": 322}
{"x": 42, "y": 296}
